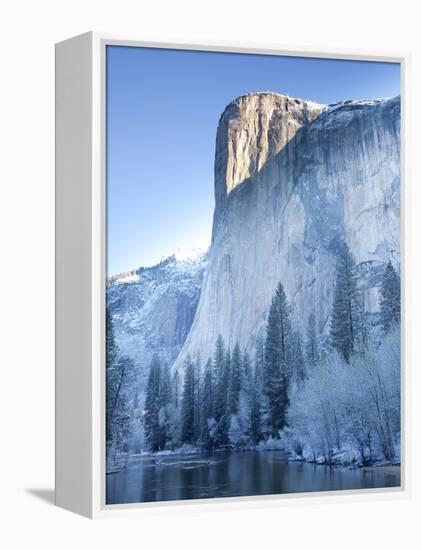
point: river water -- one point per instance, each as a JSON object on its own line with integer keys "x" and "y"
{"x": 227, "y": 474}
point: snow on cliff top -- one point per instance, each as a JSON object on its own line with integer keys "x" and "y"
{"x": 298, "y": 102}
{"x": 309, "y": 103}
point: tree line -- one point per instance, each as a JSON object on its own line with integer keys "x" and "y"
{"x": 235, "y": 401}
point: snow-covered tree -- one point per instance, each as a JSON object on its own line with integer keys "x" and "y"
{"x": 176, "y": 389}
{"x": 152, "y": 406}
{"x": 221, "y": 365}
{"x": 390, "y": 303}
{"x": 246, "y": 375}
{"x": 121, "y": 409}
{"x": 223, "y": 393}
{"x": 234, "y": 431}
{"x": 277, "y": 361}
{"x": 165, "y": 409}
{"x": 312, "y": 344}
{"x": 219, "y": 378}
{"x": 111, "y": 372}
{"x": 235, "y": 380}
{"x": 350, "y": 411}
{"x": 297, "y": 367}
{"x": 207, "y": 407}
{"x": 188, "y": 403}
{"x": 345, "y": 326}
{"x": 197, "y": 399}
{"x": 256, "y": 393}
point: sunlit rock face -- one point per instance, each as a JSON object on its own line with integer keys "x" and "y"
{"x": 253, "y": 129}
{"x": 292, "y": 180}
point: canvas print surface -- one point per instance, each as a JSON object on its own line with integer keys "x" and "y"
{"x": 253, "y": 289}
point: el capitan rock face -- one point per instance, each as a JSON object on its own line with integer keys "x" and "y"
{"x": 252, "y": 129}
{"x": 292, "y": 180}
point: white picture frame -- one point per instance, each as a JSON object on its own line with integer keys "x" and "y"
{"x": 81, "y": 273}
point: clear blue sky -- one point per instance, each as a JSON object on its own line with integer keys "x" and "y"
{"x": 163, "y": 108}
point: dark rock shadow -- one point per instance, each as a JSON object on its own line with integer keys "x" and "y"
{"x": 47, "y": 495}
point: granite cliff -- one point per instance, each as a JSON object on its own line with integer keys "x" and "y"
{"x": 293, "y": 179}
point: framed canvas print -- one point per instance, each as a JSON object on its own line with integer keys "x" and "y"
{"x": 230, "y": 259}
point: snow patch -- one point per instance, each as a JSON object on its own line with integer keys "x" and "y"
{"x": 129, "y": 278}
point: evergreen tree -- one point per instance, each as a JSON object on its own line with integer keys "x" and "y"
{"x": 176, "y": 389}
{"x": 246, "y": 375}
{"x": 207, "y": 406}
{"x": 219, "y": 373}
{"x": 245, "y": 400}
{"x": 197, "y": 399}
{"x": 120, "y": 377}
{"x": 277, "y": 361}
{"x": 297, "y": 368}
{"x": 345, "y": 326}
{"x": 223, "y": 394}
{"x": 122, "y": 408}
{"x": 111, "y": 345}
{"x": 221, "y": 364}
{"x": 257, "y": 397}
{"x": 390, "y": 302}
{"x": 235, "y": 380}
{"x": 152, "y": 406}
{"x": 312, "y": 347}
{"x": 188, "y": 406}
{"x": 164, "y": 404}
{"x": 111, "y": 373}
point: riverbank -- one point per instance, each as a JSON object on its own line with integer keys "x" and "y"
{"x": 339, "y": 460}
{"x": 236, "y": 473}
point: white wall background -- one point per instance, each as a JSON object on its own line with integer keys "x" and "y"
{"x": 28, "y": 30}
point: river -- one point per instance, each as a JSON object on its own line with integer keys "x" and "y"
{"x": 228, "y": 474}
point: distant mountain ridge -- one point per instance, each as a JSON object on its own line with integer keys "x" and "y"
{"x": 153, "y": 307}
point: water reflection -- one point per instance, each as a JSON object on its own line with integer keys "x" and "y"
{"x": 211, "y": 475}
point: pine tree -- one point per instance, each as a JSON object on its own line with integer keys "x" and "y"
{"x": 297, "y": 369}
{"x": 245, "y": 400}
{"x": 152, "y": 406}
{"x": 122, "y": 408}
{"x": 164, "y": 402}
{"x": 176, "y": 389}
{"x": 312, "y": 347}
{"x": 111, "y": 373}
{"x": 277, "y": 361}
{"x": 223, "y": 392}
{"x": 246, "y": 375}
{"x": 219, "y": 370}
{"x": 120, "y": 376}
{"x": 197, "y": 399}
{"x": 257, "y": 397}
{"x": 188, "y": 403}
{"x": 345, "y": 326}
{"x": 235, "y": 380}
{"x": 207, "y": 406}
{"x": 390, "y": 302}
{"x": 111, "y": 345}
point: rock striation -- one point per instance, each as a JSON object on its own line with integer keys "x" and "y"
{"x": 292, "y": 180}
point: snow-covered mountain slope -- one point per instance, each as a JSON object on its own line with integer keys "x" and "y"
{"x": 153, "y": 307}
{"x": 292, "y": 180}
